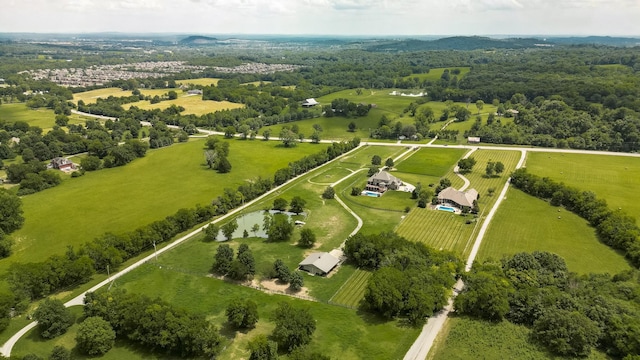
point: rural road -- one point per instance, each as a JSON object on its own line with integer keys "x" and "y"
{"x": 6, "y": 348}
{"x": 420, "y": 348}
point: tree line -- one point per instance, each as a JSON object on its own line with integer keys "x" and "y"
{"x": 614, "y": 228}
{"x": 409, "y": 279}
{"x": 569, "y": 314}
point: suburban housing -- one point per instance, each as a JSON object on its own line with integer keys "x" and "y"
{"x": 319, "y": 263}
{"x": 383, "y": 181}
{"x": 459, "y": 199}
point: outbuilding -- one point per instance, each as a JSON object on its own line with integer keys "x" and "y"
{"x": 319, "y": 263}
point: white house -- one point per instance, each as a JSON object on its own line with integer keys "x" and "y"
{"x": 310, "y": 103}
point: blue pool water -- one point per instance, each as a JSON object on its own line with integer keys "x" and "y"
{"x": 371, "y": 193}
{"x": 446, "y": 208}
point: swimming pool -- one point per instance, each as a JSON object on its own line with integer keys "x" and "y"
{"x": 445, "y": 208}
{"x": 371, "y": 193}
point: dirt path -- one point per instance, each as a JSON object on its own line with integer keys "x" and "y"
{"x": 456, "y": 170}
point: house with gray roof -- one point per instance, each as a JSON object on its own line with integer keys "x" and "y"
{"x": 383, "y": 181}
{"x": 319, "y": 263}
{"x": 459, "y": 199}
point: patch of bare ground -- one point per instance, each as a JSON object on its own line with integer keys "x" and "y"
{"x": 275, "y": 285}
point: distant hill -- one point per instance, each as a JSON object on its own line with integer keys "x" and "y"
{"x": 457, "y": 43}
{"x": 198, "y": 40}
{"x": 597, "y": 40}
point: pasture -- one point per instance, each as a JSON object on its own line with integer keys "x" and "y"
{"x": 526, "y": 223}
{"x": 431, "y": 161}
{"x": 148, "y": 189}
{"x": 92, "y": 96}
{"x": 199, "y": 81}
{"x": 352, "y": 291}
{"x": 464, "y": 338}
{"x": 613, "y": 178}
{"x": 436, "y": 73}
{"x": 193, "y": 104}
{"x": 42, "y": 118}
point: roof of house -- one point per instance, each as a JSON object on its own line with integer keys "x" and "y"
{"x": 311, "y": 101}
{"x": 385, "y": 176}
{"x": 464, "y": 198}
{"x": 322, "y": 260}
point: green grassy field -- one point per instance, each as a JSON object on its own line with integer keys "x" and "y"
{"x": 148, "y": 189}
{"x": 463, "y": 338}
{"x": 525, "y": 223}
{"x": 442, "y": 230}
{"x": 42, "y": 118}
{"x": 436, "y": 73}
{"x": 199, "y": 81}
{"x": 193, "y": 104}
{"x": 612, "y": 178}
{"x": 431, "y": 161}
{"x": 92, "y": 96}
{"x": 352, "y": 291}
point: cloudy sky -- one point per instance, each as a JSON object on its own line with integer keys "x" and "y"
{"x": 345, "y": 17}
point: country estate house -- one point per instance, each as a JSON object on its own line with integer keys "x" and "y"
{"x": 459, "y": 199}
{"x": 62, "y": 164}
{"x": 319, "y": 263}
{"x": 310, "y": 103}
{"x": 383, "y": 181}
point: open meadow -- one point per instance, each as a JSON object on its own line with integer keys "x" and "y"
{"x": 525, "y": 223}
{"x": 199, "y": 81}
{"x": 148, "y": 189}
{"x": 612, "y": 178}
{"x": 436, "y": 73}
{"x": 42, "y": 118}
{"x": 463, "y": 338}
{"x": 192, "y": 104}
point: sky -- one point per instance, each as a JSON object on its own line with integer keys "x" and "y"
{"x": 325, "y": 17}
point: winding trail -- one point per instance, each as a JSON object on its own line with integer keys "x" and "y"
{"x": 456, "y": 170}
{"x": 423, "y": 344}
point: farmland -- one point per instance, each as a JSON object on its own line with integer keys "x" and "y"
{"x": 121, "y": 205}
{"x": 352, "y": 291}
{"x": 198, "y": 81}
{"x": 42, "y": 118}
{"x": 436, "y": 73}
{"x": 193, "y": 104}
{"x": 610, "y": 177}
{"x": 525, "y": 223}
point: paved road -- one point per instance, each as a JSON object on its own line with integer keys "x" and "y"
{"x": 92, "y": 115}
{"x": 6, "y": 348}
{"x": 456, "y": 170}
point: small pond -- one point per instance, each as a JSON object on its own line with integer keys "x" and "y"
{"x": 246, "y": 222}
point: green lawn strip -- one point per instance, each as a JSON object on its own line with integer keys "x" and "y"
{"x": 438, "y": 229}
{"x": 148, "y": 189}
{"x": 464, "y": 338}
{"x": 525, "y": 223}
{"x": 612, "y": 178}
{"x": 352, "y": 291}
{"x": 341, "y": 333}
{"x": 431, "y": 161}
{"x": 330, "y": 175}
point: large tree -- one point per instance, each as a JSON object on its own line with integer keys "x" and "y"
{"x": 95, "y": 336}
{"x": 307, "y": 238}
{"x": 567, "y": 333}
{"x": 297, "y": 204}
{"x": 53, "y": 318}
{"x": 223, "y": 259}
{"x": 11, "y": 218}
{"x": 242, "y": 314}
{"x": 262, "y": 348}
{"x": 229, "y": 228}
{"x": 294, "y": 326}
{"x": 280, "y": 228}
{"x": 466, "y": 165}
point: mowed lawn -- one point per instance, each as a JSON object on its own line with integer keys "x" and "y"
{"x": 352, "y": 291}
{"x": 148, "y": 189}
{"x": 431, "y": 161}
{"x": 613, "y": 178}
{"x": 463, "y": 338}
{"x": 447, "y": 231}
{"x": 525, "y": 223}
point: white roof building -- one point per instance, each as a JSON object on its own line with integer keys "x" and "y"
{"x": 319, "y": 263}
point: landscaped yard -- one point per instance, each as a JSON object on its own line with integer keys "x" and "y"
{"x": 526, "y": 223}
{"x": 352, "y": 291}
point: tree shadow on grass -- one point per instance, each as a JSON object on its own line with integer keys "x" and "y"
{"x": 371, "y": 318}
